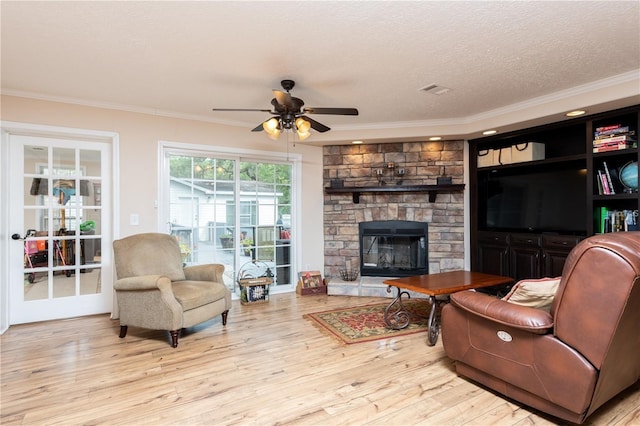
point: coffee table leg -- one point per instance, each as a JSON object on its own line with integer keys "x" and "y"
{"x": 396, "y": 316}
{"x": 434, "y": 327}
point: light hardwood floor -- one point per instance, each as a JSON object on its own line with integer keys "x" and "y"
{"x": 267, "y": 366}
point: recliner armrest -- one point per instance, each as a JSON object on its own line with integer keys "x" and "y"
{"x": 207, "y": 272}
{"x": 146, "y": 282}
{"x": 521, "y": 317}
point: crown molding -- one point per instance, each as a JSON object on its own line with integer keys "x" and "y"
{"x": 424, "y": 126}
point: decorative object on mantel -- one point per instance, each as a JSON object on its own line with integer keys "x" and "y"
{"x": 432, "y": 190}
{"x": 443, "y": 179}
{"x": 336, "y": 183}
{"x": 366, "y": 323}
{"x": 394, "y": 172}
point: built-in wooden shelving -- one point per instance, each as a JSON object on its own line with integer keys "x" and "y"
{"x": 432, "y": 190}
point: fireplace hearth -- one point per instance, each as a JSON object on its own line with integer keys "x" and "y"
{"x": 393, "y": 248}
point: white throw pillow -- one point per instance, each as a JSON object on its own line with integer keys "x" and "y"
{"x": 534, "y": 293}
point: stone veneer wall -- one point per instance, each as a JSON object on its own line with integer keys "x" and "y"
{"x": 356, "y": 165}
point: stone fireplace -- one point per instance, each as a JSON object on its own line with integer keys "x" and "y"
{"x": 357, "y": 166}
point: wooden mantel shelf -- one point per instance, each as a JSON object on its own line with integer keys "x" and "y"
{"x": 432, "y": 190}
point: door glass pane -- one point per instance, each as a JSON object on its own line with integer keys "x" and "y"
{"x": 202, "y": 210}
{"x": 266, "y": 189}
{"x": 38, "y": 248}
{"x": 62, "y": 216}
{"x": 90, "y": 241}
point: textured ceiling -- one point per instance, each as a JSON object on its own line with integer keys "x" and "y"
{"x": 184, "y": 58}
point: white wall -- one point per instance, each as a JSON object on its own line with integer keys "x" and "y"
{"x": 139, "y": 135}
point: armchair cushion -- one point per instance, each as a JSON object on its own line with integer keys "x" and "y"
{"x": 193, "y": 294}
{"x": 534, "y": 293}
{"x": 157, "y": 255}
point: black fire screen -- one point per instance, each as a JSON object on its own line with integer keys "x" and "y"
{"x": 393, "y": 248}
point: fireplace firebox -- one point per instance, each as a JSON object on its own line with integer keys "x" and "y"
{"x": 393, "y": 248}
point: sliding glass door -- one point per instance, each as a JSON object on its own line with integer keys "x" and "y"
{"x": 232, "y": 210}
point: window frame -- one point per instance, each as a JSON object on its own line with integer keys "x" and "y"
{"x": 168, "y": 148}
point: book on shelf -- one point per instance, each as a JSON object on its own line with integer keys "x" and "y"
{"x": 602, "y": 213}
{"x": 604, "y": 183}
{"x": 606, "y": 133}
{"x": 601, "y": 184}
{"x": 607, "y": 128}
{"x": 614, "y": 146}
{"x": 609, "y": 180}
{"x": 620, "y": 138}
{"x": 616, "y": 220}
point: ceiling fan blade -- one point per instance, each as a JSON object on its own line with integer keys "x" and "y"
{"x": 240, "y": 109}
{"x": 334, "y": 111}
{"x": 318, "y": 127}
{"x": 258, "y": 128}
{"x": 283, "y": 98}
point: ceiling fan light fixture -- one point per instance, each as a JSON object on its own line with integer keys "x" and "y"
{"x": 303, "y": 135}
{"x": 289, "y": 114}
{"x": 274, "y": 135}
{"x": 302, "y": 125}
{"x": 271, "y": 126}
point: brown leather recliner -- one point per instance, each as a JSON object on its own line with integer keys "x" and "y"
{"x": 570, "y": 361}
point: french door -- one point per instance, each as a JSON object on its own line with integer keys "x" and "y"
{"x": 60, "y": 226}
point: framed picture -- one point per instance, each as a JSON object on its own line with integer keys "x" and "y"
{"x": 310, "y": 279}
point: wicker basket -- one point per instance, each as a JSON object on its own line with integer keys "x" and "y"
{"x": 254, "y": 289}
{"x": 349, "y": 274}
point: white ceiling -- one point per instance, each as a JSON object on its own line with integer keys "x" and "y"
{"x": 506, "y": 62}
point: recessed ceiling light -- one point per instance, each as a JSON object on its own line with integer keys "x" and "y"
{"x": 356, "y": 142}
{"x": 489, "y": 132}
{"x": 435, "y": 138}
{"x": 575, "y": 113}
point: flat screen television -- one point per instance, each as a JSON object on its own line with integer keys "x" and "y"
{"x": 542, "y": 202}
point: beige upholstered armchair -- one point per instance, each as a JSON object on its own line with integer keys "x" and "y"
{"x": 154, "y": 290}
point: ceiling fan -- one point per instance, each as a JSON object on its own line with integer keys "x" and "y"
{"x": 290, "y": 114}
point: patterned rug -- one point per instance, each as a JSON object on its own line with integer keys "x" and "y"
{"x": 366, "y": 323}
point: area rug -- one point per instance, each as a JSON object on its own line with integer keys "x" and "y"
{"x": 366, "y": 323}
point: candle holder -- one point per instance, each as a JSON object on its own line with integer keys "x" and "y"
{"x": 395, "y": 174}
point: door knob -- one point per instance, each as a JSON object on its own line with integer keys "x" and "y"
{"x": 16, "y": 237}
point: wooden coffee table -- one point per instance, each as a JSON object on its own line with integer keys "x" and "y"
{"x": 396, "y": 316}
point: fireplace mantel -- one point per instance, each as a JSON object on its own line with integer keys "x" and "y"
{"x": 432, "y": 190}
